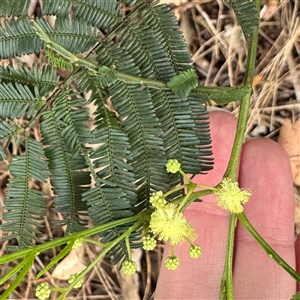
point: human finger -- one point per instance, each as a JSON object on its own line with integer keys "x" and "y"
{"x": 265, "y": 171}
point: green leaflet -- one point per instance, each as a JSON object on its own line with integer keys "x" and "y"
{"x": 17, "y": 38}
{"x": 221, "y": 95}
{"x": 25, "y": 207}
{"x": 14, "y": 8}
{"x": 16, "y": 99}
{"x": 183, "y": 83}
{"x": 101, "y": 14}
{"x": 58, "y": 61}
{"x": 64, "y": 131}
{"x": 44, "y": 77}
{"x": 246, "y": 13}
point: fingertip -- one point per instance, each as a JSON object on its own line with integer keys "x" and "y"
{"x": 266, "y": 171}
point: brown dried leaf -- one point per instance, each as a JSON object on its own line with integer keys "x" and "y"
{"x": 269, "y": 9}
{"x": 72, "y": 263}
{"x": 289, "y": 138}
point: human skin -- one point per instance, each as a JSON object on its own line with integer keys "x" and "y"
{"x": 265, "y": 171}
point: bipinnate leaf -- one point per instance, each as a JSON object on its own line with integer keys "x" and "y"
{"x": 183, "y": 83}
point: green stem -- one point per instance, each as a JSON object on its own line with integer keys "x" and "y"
{"x": 207, "y": 187}
{"x": 82, "y": 234}
{"x": 110, "y": 245}
{"x": 191, "y": 187}
{"x": 128, "y": 248}
{"x": 227, "y": 283}
{"x": 191, "y": 198}
{"x": 271, "y": 253}
{"x": 233, "y": 164}
{"x": 23, "y": 272}
{"x": 232, "y": 167}
{"x": 207, "y": 91}
{"x": 184, "y": 175}
{"x": 30, "y": 253}
{"x": 175, "y": 189}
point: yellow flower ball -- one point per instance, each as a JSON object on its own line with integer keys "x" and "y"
{"x": 170, "y": 224}
{"x": 231, "y": 197}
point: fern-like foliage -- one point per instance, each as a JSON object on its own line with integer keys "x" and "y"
{"x": 15, "y": 99}
{"x": 26, "y": 207}
{"x": 107, "y": 171}
{"x": 64, "y": 130}
{"x": 183, "y": 83}
{"x": 7, "y": 131}
{"x": 14, "y": 8}
{"x": 101, "y": 14}
{"x": 44, "y": 77}
{"x": 296, "y": 296}
{"x": 18, "y": 38}
{"x": 246, "y": 13}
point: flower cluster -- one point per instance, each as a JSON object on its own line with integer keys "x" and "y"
{"x": 129, "y": 267}
{"x": 173, "y": 166}
{"x": 231, "y": 197}
{"x": 43, "y": 291}
{"x": 149, "y": 242}
{"x": 195, "y": 251}
{"x": 158, "y": 200}
{"x": 172, "y": 262}
{"x": 167, "y": 223}
{"x": 72, "y": 278}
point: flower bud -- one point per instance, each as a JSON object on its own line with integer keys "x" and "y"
{"x": 129, "y": 267}
{"x": 173, "y": 166}
{"x": 172, "y": 262}
{"x": 72, "y": 279}
{"x": 195, "y": 251}
{"x": 43, "y": 291}
{"x": 149, "y": 242}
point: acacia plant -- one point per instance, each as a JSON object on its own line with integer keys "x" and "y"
{"x": 135, "y": 69}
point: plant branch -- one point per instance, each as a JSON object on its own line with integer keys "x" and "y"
{"x": 232, "y": 167}
{"x": 271, "y": 253}
{"x": 208, "y": 92}
{"x": 110, "y": 245}
{"x": 82, "y": 234}
{"x": 226, "y": 283}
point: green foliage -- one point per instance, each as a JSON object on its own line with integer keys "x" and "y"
{"x": 183, "y": 83}
{"x": 16, "y": 99}
{"x": 296, "y": 296}
{"x": 222, "y": 95}
{"x": 44, "y": 77}
{"x": 7, "y": 131}
{"x": 26, "y": 207}
{"x": 17, "y": 38}
{"x": 136, "y": 70}
{"x": 58, "y": 61}
{"x": 246, "y": 13}
{"x": 14, "y": 8}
